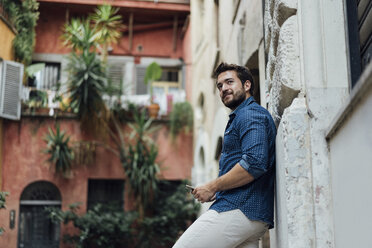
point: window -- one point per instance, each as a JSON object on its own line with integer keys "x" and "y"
{"x": 120, "y": 73}
{"x": 359, "y": 21}
{"x": 47, "y": 78}
{"x": 169, "y": 81}
{"x": 200, "y": 112}
{"x": 253, "y": 66}
{"x": 35, "y": 227}
{"x": 201, "y": 157}
{"x": 217, "y": 154}
{"x": 242, "y": 38}
{"x": 141, "y": 87}
{"x": 106, "y": 192}
{"x": 116, "y": 72}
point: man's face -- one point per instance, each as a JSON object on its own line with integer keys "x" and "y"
{"x": 231, "y": 90}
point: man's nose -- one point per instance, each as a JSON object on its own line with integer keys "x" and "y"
{"x": 225, "y": 87}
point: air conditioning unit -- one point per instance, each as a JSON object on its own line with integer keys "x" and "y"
{"x": 11, "y": 76}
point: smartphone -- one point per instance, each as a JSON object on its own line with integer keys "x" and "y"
{"x": 191, "y": 188}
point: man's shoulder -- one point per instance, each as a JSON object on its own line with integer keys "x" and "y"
{"x": 254, "y": 109}
{"x": 256, "y": 112}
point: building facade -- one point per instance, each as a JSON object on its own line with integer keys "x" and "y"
{"x": 154, "y": 32}
{"x": 7, "y": 29}
{"x": 312, "y": 64}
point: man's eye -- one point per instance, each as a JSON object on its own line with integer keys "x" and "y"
{"x": 230, "y": 82}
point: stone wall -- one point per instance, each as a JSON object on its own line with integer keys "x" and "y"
{"x": 307, "y": 81}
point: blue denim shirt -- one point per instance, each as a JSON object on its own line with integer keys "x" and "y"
{"x": 249, "y": 140}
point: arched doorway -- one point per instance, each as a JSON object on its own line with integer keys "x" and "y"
{"x": 35, "y": 228}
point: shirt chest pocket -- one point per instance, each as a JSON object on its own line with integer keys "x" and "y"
{"x": 231, "y": 141}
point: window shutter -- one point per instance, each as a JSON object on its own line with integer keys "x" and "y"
{"x": 10, "y": 89}
{"x": 141, "y": 87}
{"x": 360, "y": 36}
{"x": 116, "y": 73}
{"x": 365, "y": 31}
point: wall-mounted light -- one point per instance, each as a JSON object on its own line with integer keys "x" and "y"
{"x": 12, "y": 215}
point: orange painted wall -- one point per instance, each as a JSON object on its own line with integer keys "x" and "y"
{"x": 6, "y": 40}
{"x": 24, "y": 163}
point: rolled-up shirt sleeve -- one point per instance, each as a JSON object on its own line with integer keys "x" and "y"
{"x": 254, "y": 143}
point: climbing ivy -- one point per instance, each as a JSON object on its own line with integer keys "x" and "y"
{"x": 23, "y": 15}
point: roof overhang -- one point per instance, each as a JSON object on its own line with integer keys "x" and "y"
{"x": 174, "y": 6}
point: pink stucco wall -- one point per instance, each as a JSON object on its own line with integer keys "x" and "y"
{"x": 24, "y": 163}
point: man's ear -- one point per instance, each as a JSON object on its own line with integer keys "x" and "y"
{"x": 247, "y": 85}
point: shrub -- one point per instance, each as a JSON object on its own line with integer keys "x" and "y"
{"x": 181, "y": 118}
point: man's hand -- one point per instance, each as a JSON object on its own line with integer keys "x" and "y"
{"x": 204, "y": 193}
{"x": 236, "y": 177}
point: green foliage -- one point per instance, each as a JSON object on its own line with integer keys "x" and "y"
{"x": 107, "y": 23}
{"x": 173, "y": 212}
{"x": 79, "y": 35}
{"x": 101, "y": 226}
{"x": 60, "y": 153}
{"x": 3, "y": 195}
{"x": 24, "y": 15}
{"x": 12, "y": 8}
{"x": 103, "y": 27}
{"x": 139, "y": 163}
{"x": 106, "y": 227}
{"x": 38, "y": 99}
{"x": 181, "y": 118}
{"x": 31, "y": 70}
{"x": 153, "y": 73}
{"x": 86, "y": 81}
{"x": 87, "y": 73}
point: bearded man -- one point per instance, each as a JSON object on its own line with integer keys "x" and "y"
{"x": 243, "y": 193}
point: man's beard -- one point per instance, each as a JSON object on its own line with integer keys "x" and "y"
{"x": 238, "y": 98}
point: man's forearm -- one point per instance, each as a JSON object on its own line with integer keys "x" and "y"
{"x": 235, "y": 178}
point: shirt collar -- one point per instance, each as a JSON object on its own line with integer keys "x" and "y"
{"x": 246, "y": 102}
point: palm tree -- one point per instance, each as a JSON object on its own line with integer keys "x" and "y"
{"x": 80, "y": 35}
{"x": 108, "y": 25}
{"x": 86, "y": 81}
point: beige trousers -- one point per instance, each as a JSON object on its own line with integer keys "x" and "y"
{"x": 231, "y": 229}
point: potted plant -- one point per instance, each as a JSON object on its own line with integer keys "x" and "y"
{"x": 38, "y": 101}
{"x": 153, "y": 73}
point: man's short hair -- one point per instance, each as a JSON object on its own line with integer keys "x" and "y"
{"x": 242, "y": 72}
